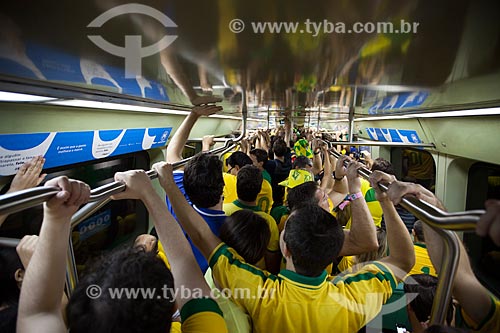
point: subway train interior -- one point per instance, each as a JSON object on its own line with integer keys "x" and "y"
{"x": 97, "y": 87}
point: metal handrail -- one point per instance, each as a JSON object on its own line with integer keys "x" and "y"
{"x": 457, "y": 221}
{"x": 451, "y": 250}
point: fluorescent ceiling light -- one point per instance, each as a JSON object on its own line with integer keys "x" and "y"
{"x": 115, "y": 106}
{"x": 127, "y": 107}
{"x": 458, "y": 113}
{"x": 17, "y": 97}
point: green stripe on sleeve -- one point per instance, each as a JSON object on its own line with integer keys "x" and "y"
{"x": 198, "y": 305}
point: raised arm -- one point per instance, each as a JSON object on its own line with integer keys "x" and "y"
{"x": 363, "y": 236}
{"x": 340, "y": 187}
{"x": 467, "y": 290}
{"x": 195, "y": 226}
{"x": 327, "y": 181}
{"x": 27, "y": 176}
{"x": 176, "y": 144}
{"x": 402, "y": 253}
{"x": 43, "y": 285}
{"x": 489, "y": 223}
{"x": 184, "y": 267}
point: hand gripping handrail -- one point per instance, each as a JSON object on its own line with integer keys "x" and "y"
{"x": 442, "y": 223}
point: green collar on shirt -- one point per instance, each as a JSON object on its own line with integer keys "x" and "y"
{"x": 243, "y": 206}
{"x": 305, "y": 281}
{"x": 420, "y": 245}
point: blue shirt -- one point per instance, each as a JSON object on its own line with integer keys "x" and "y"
{"x": 214, "y": 219}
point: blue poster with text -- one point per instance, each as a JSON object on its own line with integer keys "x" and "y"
{"x": 63, "y": 148}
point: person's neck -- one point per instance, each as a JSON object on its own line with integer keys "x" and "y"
{"x": 282, "y": 158}
{"x": 216, "y": 207}
{"x": 248, "y": 203}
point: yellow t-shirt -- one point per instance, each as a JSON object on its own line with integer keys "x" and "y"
{"x": 237, "y": 320}
{"x": 290, "y": 302}
{"x": 346, "y": 264}
{"x": 372, "y": 203}
{"x": 274, "y": 241}
{"x": 423, "y": 264}
{"x": 201, "y": 315}
{"x": 264, "y": 198}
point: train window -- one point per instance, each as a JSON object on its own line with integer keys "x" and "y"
{"x": 414, "y": 165}
{"x": 115, "y": 223}
{"x": 483, "y": 183}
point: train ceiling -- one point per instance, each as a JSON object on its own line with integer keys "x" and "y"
{"x": 315, "y": 67}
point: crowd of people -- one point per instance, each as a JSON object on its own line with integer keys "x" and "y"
{"x": 278, "y": 236}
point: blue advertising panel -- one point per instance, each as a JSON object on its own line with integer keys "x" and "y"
{"x": 63, "y": 148}
{"x": 399, "y": 101}
{"x": 42, "y": 63}
{"x": 393, "y": 135}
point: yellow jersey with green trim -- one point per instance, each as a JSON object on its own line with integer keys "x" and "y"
{"x": 274, "y": 241}
{"x": 423, "y": 264}
{"x": 490, "y": 323}
{"x": 290, "y": 302}
{"x": 372, "y": 203}
{"x": 202, "y": 315}
{"x": 237, "y": 320}
{"x": 345, "y": 265}
{"x": 264, "y": 198}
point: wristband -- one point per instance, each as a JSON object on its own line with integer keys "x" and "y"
{"x": 317, "y": 152}
{"x": 348, "y": 199}
{"x": 335, "y": 177}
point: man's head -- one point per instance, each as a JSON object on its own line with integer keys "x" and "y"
{"x": 280, "y": 148}
{"x": 248, "y": 183}
{"x": 307, "y": 193}
{"x": 383, "y": 165}
{"x": 124, "y": 269}
{"x": 247, "y": 233}
{"x": 302, "y": 162}
{"x": 236, "y": 161}
{"x": 259, "y": 157}
{"x": 418, "y": 232}
{"x": 203, "y": 180}
{"x": 312, "y": 238}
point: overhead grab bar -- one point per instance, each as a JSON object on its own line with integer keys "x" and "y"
{"x": 458, "y": 221}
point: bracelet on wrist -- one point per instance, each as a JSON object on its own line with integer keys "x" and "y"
{"x": 347, "y": 200}
{"x": 335, "y": 177}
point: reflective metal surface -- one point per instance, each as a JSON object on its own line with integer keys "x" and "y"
{"x": 292, "y": 58}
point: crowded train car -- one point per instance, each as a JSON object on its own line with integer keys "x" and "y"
{"x": 263, "y": 166}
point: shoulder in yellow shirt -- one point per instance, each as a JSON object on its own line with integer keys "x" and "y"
{"x": 290, "y": 302}
{"x": 274, "y": 241}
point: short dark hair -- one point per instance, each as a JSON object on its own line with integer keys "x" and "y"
{"x": 203, "y": 180}
{"x": 383, "y": 165}
{"x": 248, "y": 183}
{"x": 124, "y": 268}
{"x": 280, "y": 148}
{"x": 247, "y": 233}
{"x": 9, "y": 264}
{"x": 260, "y": 154}
{"x": 301, "y": 162}
{"x": 425, "y": 291}
{"x": 238, "y": 158}
{"x": 419, "y": 230}
{"x": 314, "y": 239}
{"x": 302, "y": 194}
